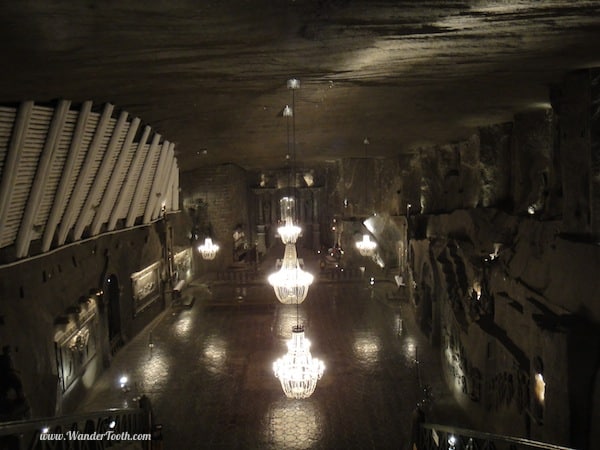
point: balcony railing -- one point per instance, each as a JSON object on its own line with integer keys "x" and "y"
{"x": 111, "y": 428}
{"x": 440, "y": 437}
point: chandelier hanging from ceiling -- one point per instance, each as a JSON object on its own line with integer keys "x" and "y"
{"x": 208, "y": 250}
{"x": 366, "y": 247}
{"x": 297, "y": 371}
{"x": 290, "y": 282}
{"x": 289, "y": 232}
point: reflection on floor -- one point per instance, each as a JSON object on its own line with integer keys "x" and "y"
{"x": 208, "y": 370}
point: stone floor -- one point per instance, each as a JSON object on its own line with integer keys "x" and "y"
{"x": 208, "y": 370}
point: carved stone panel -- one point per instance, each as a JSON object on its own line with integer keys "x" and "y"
{"x": 146, "y": 287}
{"x": 183, "y": 266}
{"x": 75, "y": 342}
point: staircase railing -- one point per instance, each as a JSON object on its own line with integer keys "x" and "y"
{"x": 111, "y": 428}
{"x": 441, "y": 437}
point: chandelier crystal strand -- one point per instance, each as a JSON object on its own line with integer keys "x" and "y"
{"x": 290, "y": 282}
{"x": 297, "y": 371}
{"x": 208, "y": 250}
{"x": 289, "y": 232}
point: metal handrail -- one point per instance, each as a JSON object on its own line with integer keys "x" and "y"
{"x": 442, "y": 437}
{"x": 88, "y": 430}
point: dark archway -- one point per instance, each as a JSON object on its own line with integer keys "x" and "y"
{"x": 113, "y": 294}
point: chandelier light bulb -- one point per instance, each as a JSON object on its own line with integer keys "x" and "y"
{"x": 290, "y": 283}
{"x": 208, "y": 250}
{"x": 297, "y": 371}
{"x": 366, "y": 247}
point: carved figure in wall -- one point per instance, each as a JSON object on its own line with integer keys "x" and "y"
{"x": 475, "y": 382}
{"x": 501, "y": 391}
{"x": 146, "y": 286}
{"x": 78, "y": 344}
{"x": 266, "y": 204}
{"x": 510, "y": 388}
{"x": 307, "y": 210}
{"x": 201, "y": 225}
{"x": 240, "y": 244}
{"x": 182, "y": 265}
{"x": 522, "y": 391}
{"x": 475, "y": 307}
{"x": 13, "y": 402}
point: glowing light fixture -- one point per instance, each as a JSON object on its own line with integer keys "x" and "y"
{"x": 290, "y": 283}
{"x": 540, "y": 388}
{"x": 297, "y": 371}
{"x": 293, "y": 83}
{"x": 289, "y": 232}
{"x": 208, "y": 250}
{"x": 366, "y": 247}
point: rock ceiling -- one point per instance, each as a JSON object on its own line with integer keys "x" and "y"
{"x": 211, "y": 75}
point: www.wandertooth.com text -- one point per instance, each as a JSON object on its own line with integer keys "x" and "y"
{"x": 95, "y": 436}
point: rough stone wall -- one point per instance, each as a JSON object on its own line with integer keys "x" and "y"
{"x": 409, "y": 183}
{"x": 594, "y": 132}
{"x": 494, "y": 155}
{"x": 511, "y": 312}
{"x": 532, "y": 161}
{"x": 221, "y": 192}
{"x": 572, "y": 103}
{"x": 451, "y": 176}
{"x": 35, "y": 293}
{"x": 369, "y": 185}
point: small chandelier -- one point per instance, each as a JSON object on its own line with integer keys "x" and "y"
{"x": 208, "y": 250}
{"x": 290, "y": 283}
{"x": 297, "y": 371}
{"x": 289, "y": 232}
{"x": 366, "y": 247}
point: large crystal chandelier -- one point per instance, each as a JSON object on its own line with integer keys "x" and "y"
{"x": 289, "y": 232}
{"x": 208, "y": 250}
{"x": 297, "y": 371}
{"x": 366, "y": 247}
{"x": 290, "y": 282}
